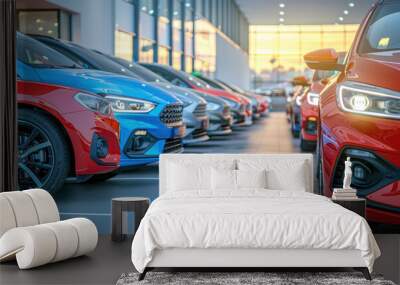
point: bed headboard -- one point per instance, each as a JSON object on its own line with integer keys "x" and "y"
{"x": 166, "y": 159}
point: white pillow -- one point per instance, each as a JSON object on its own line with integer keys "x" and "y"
{"x": 231, "y": 180}
{"x": 183, "y": 177}
{"x": 223, "y": 179}
{"x": 188, "y": 176}
{"x": 251, "y": 179}
{"x": 289, "y": 180}
{"x": 281, "y": 174}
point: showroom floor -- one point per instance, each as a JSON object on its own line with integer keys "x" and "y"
{"x": 110, "y": 260}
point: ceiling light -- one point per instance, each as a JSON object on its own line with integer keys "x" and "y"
{"x": 346, "y": 12}
{"x": 351, "y": 4}
{"x": 341, "y": 19}
{"x": 282, "y": 5}
{"x": 281, "y": 13}
{"x": 281, "y": 20}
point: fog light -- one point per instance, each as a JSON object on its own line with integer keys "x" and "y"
{"x": 139, "y": 142}
{"x": 101, "y": 148}
{"x": 359, "y": 102}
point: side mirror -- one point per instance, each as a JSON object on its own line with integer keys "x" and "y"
{"x": 300, "y": 81}
{"x": 323, "y": 59}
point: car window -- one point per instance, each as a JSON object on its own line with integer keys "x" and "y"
{"x": 33, "y": 52}
{"x": 68, "y": 54}
{"x": 383, "y": 31}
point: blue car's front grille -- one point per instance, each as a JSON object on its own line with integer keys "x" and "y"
{"x": 200, "y": 110}
{"x": 172, "y": 115}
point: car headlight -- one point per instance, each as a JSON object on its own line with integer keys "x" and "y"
{"x": 368, "y": 100}
{"x": 129, "y": 105}
{"x": 212, "y": 106}
{"x": 94, "y": 103}
{"x": 313, "y": 98}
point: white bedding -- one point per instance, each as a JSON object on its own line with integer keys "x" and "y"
{"x": 250, "y": 219}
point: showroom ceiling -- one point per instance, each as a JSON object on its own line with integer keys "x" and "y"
{"x": 305, "y": 12}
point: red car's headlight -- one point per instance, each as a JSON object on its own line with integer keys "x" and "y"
{"x": 313, "y": 98}
{"x": 94, "y": 103}
{"x": 368, "y": 100}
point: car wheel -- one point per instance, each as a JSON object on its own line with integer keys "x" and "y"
{"x": 44, "y": 157}
{"x": 102, "y": 177}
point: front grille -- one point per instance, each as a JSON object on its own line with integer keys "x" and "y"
{"x": 200, "y": 110}
{"x": 173, "y": 145}
{"x": 172, "y": 115}
{"x": 198, "y": 133}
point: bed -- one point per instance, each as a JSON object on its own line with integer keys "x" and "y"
{"x": 247, "y": 211}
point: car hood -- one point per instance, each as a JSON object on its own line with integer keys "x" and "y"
{"x": 181, "y": 93}
{"x": 224, "y": 94}
{"x": 101, "y": 82}
{"x": 387, "y": 67}
{"x": 210, "y": 98}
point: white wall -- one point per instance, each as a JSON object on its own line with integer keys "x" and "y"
{"x": 232, "y": 63}
{"x": 92, "y": 22}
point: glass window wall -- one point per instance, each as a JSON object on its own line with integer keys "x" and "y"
{"x": 53, "y": 23}
{"x": 276, "y": 52}
{"x": 124, "y": 45}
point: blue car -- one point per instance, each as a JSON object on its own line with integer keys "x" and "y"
{"x": 194, "y": 111}
{"x": 150, "y": 118}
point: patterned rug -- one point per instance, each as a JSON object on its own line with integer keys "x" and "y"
{"x": 244, "y": 278}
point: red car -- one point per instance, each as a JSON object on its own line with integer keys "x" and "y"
{"x": 63, "y": 132}
{"x": 360, "y": 114}
{"x": 309, "y": 111}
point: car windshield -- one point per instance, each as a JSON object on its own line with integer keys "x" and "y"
{"x": 140, "y": 71}
{"x": 383, "y": 31}
{"x": 102, "y": 62}
{"x": 194, "y": 80}
{"x": 33, "y": 52}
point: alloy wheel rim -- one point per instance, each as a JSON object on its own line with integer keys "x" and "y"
{"x": 35, "y": 156}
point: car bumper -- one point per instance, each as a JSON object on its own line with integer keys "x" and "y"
{"x": 155, "y": 137}
{"x": 375, "y": 156}
{"x": 219, "y": 125}
{"x": 87, "y": 137}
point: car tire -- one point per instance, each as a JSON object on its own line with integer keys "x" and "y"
{"x": 44, "y": 155}
{"x": 102, "y": 177}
